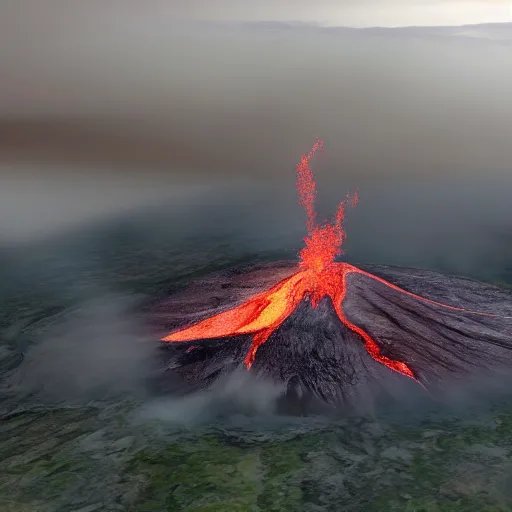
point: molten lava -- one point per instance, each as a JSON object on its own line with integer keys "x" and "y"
{"x": 318, "y": 276}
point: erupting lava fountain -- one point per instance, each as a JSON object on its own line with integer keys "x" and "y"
{"x": 333, "y": 329}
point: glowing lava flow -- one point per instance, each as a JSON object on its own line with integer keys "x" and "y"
{"x": 318, "y": 276}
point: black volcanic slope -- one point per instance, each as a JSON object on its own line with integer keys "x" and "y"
{"x": 314, "y": 354}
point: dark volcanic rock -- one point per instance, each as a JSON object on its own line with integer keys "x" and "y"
{"x": 437, "y": 343}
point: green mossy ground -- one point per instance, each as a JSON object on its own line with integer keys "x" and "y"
{"x": 459, "y": 468}
{"x": 81, "y": 459}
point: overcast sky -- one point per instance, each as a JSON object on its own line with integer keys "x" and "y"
{"x": 353, "y": 13}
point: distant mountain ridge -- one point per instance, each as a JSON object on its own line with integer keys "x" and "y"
{"x": 490, "y": 31}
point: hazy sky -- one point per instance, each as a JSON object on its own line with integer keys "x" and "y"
{"x": 93, "y": 88}
{"x": 353, "y": 13}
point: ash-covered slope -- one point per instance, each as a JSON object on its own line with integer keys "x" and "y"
{"x": 314, "y": 354}
{"x": 438, "y": 343}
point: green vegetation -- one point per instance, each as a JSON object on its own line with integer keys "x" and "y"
{"x": 74, "y": 459}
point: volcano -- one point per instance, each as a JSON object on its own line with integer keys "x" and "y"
{"x": 332, "y": 330}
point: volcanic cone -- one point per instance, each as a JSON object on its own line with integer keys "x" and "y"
{"x": 332, "y": 330}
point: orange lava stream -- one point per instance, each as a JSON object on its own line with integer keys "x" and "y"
{"x": 318, "y": 276}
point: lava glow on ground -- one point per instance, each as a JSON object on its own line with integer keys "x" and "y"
{"x": 318, "y": 276}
